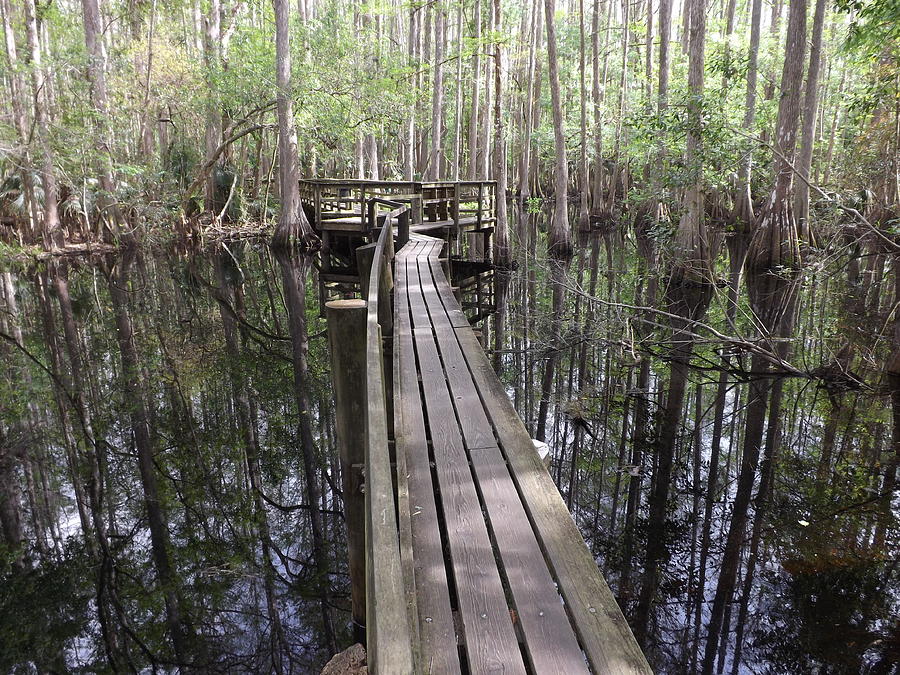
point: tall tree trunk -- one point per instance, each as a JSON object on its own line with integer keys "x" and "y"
{"x": 50, "y": 228}
{"x": 772, "y": 269}
{"x": 502, "y": 252}
{"x": 665, "y": 35}
{"x": 293, "y": 227}
{"x": 437, "y": 95}
{"x": 294, "y": 270}
{"x": 212, "y": 58}
{"x": 20, "y": 121}
{"x": 177, "y": 621}
{"x": 688, "y": 294}
{"x": 743, "y": 210}
{"x": 409, "y": 161}
{"x": 559, "y": 239}
{"x": 810, "y": 109}
{"x": 457, "y": 117}
{"x": 110, "y": 216}
{"x": 475, "y": 115}
{"x": 584, "y": 179}
{"x": 528, "y": 112}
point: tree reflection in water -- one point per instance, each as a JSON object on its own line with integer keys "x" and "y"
{"x": 163, "y": 504}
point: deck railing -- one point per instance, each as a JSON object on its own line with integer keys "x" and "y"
{"x": 388, "y": 637}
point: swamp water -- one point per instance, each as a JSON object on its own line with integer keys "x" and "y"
{"x": 154, "y": 477}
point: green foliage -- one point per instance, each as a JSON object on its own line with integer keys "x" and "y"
{"x": 874, "y": 28}
{"x": 43, "y": 610}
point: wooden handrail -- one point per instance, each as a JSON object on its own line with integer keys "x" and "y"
{"x": 388, "y": 638}
{"x": 391, "y": 183}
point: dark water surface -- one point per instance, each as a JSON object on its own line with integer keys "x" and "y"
{"x": 155, "y": 473}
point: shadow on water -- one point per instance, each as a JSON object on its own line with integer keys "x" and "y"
{"x": 168, "y": 473}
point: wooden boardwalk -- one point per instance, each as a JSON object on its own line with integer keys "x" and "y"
{"x": 473, "y": 562}
{"x": 345, "y": 214}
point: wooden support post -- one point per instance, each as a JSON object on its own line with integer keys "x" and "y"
{"x": 362, "y": 210}
{"x": 416, "y": 203}
{"x": 364, "y": 258}
{"x": 389, "y": 246}
{"x": 403, "y": 229}
{"x": 418, "y": 212}
{"x": 372, "y": 211}
{"x": 455, "y": 213}
{"x": 347, "y": 342}
{"x": 478, "y": 215}
{"x": 445, "y": 260}
{"x": 317, "y": 197}
{"x": 326, "y": 250}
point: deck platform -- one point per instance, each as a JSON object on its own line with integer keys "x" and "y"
{"x": 345, "y": 214}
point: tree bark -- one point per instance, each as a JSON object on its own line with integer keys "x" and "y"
{"x": 20, "y": 121}
{"x": 743, "y": 210}
{"x": 502, "y": 252}
{"x": 293, "y": 227}
{"x": 559, "y": 236}
{"x": 437, "y": 95}
{"x": 108, "y": 211}
{"x": 584, "y": 179}
{"x": 51, "y": 231}
{"x": 688, "y": 294}
{"x": 810, "y": 109}
{"x": 475, "y": 115}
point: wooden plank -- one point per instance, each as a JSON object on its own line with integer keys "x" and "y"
{"x": 490, "y": 640}
{"x": 437, "y": 637}
{"x": 604, "y": 634}
{"x": 476, "y": 429}
{"x": 550, "y": 641}
{"x": 352, "y": 224}
{"x": 445, "y": 292}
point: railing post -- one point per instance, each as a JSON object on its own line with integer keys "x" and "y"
{"x": 372, "y": 210}
{"x": 389, "y": 247}
{"x": 457, "y": 238}
{"x": 317, "y": 207}
{"x": 480, "y": 205}
{"x": 418, "y": 205}
{"x": 403, "y": 229}
{"x": 364, "y": 259}
{"x": 347, "y": 343}
{"x": 445, "y": 260}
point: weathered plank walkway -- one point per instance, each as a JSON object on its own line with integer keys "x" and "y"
{"x": 526, "y": 591}
{"x": 473, "y": 562}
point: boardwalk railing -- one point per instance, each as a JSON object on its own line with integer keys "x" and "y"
{"x": 345, "y": 214}
{"x": 388, "y": 639}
